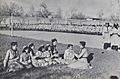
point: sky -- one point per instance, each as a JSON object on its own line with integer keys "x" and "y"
{"x": 88, "y": 7}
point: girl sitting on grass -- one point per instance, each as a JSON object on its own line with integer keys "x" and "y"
{"x": 69, "y": 54}
{"x": 47, "y": 54}
{"x": 82, "y": 62}
{"x": 11, "y": 61}
{"x": 55, "y": 56}
{"x": 39, "y": 59}
{"x": 31, "y": 49}
{"x": 25, "y": 58}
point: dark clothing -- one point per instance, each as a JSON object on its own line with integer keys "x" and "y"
{"x": 114, "y": 47}
{"x": 32, "y": 52}
{"x": 54, "y": 50}
{"x": 107, "y": 45}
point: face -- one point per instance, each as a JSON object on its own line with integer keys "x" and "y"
{"x": 71, "y": 47}
{"x": 55, "y": 43}
{"x": 33, "y": 47}
{"x": 49, "y": 48}
{"x": 81, "y": 46}
{"x": 26, "y": 50}
{"x": 43, "y": 49}
{"x": 14, "y": 47}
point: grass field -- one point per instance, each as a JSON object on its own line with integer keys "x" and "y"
{"x": 104, "y": 64}
{"x": 93, "y": 41}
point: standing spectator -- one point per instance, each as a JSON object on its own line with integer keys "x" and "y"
{"x": 114, "y": 37}
{"x": 106, "y": 36}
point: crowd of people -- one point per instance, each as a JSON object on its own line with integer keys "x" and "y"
{"x": 111, "y": 36}
{"x": 46, "y": 55}
{"x": 79, "y": 27}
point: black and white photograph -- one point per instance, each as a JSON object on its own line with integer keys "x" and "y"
{"x": 59, "y": 39}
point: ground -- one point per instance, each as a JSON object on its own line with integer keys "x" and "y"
{"x": 105, "y": 63}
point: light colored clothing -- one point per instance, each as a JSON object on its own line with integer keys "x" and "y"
{"x": 25, "y": 59}
{"x": 39, "y": 54}
{"x": 38, "y": 60}
{"x": 11, "y": 61}
{"x": 81, "y": 63}
{"x": 115, "y": 39}
{"x": 69, "y": 56}
{"x": 106, "y": 35}
{"x": 46, "y": 54}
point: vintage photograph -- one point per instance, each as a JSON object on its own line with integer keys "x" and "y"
{"x": 59, "y": 39}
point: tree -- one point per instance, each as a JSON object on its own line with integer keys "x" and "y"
{"x": 43, "y": 11}
{"x": 59, "y": 13}
{"x": 100, "y": 14}
{"x": 115, "y": 8}
{"x": 32, "y": 11}
{"x": 80, "y": 15}
{"x": 4, "y": 12}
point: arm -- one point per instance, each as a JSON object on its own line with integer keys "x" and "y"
{"x": 6, "y": 59}
{"x": 82, "y": 53}
{"x": 65, "y": 55}
{"x": 21, "y": 59}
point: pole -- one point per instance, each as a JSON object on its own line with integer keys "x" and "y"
{"x": 11, "y": 23}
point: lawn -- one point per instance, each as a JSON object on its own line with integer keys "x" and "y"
{"x": 104, "y": 64}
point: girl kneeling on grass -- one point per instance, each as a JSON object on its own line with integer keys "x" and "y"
{"x": 25, "y": 58}
{"x": 11, "y": 61}
{"x": 82, "y": 62}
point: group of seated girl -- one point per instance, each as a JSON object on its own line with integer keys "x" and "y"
{"x": 45, "y": 55}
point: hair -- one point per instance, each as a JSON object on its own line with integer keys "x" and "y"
{"x": 31, "y": 44}
{"x": 113, "y": 77}
{"x": 13, "y": 43}
{"x": 69, "y": 45}
{"x": 25, "y": 48}
{"x": 53, "y": 40}
{"x": 116, "y": 25}
{"x": 108, "y": 24}
{"x": 41, "y": 47}
{"x": 47, "y": 46}
{"x": 83, "y": 43}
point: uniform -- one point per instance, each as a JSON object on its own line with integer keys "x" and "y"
{"x": 11, "y": 60}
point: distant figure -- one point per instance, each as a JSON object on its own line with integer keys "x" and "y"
{"x": 82, "y": 62}
{"x": 115, "y": 37}
{"x": 106, "y": 35}
{"x": 25, "y": 58}
{"x": 69, "y": 54}
{"x": 11, "y": 59}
